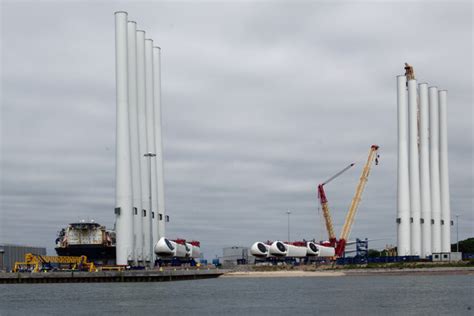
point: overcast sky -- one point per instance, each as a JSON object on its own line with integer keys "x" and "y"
{"x": 261, "y": 102}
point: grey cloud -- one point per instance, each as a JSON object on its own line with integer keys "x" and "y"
{"x": 261, "y": 101}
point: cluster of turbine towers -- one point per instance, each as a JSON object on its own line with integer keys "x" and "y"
{"x": 423, "y": 208}
{"x": 139, "y": 198}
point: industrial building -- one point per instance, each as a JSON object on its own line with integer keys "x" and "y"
{"x": 423, "y": 201}
{"x": 237, "y": 255}
{"x": 447, "y": 256}
{"x": 9, "y": 254}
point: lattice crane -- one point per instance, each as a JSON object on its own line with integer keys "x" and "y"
{"x": 341, "y": 244}
{"x": 324, "y": 205}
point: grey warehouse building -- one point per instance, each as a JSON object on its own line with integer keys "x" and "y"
{"x": 9, "y": 254}
{"x": 237, "y": 255}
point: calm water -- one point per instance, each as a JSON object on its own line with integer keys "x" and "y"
{"x": 374, "y": 295}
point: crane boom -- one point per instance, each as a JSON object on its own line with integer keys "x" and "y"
{"x": 325, "y": 207}
{"x": 338, "y": 174}
{"x": 327, "y": 219}
{"x": 341, "y": 245}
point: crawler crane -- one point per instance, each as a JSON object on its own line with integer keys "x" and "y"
{"x": 340, "y": 245}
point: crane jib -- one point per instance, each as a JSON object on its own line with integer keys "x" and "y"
{"x": 356, "y": 200}
{"x": 338, "y": 174}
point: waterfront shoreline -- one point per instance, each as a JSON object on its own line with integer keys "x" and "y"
{"x": 349, "y": 272}
{"x": 193, "y": 274}
{"x": 280, "y": 274}
{"x": 109, "y": 276}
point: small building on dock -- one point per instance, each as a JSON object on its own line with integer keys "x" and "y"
{"x": 9, "y": 254}
{"x": 237, "y": 255}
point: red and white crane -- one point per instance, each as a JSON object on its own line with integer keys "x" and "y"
{"x": 336, "y": 248}
{"x": 340, "y": 245}
{"x": 324, "y": 206}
